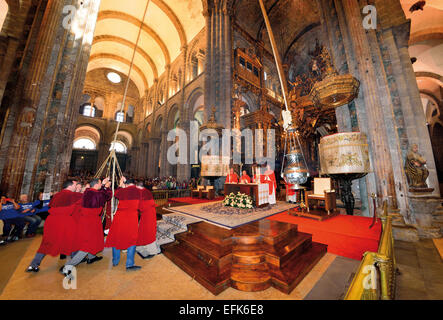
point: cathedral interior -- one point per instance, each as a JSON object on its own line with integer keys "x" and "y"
{"x": 81, "y": 78}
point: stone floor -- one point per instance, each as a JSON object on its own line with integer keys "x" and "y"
{"x": 420, "y": 265}
{"x": 421, "y": 269}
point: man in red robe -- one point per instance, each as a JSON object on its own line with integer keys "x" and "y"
{"x": 245, "y": 178}
{"x": 291, "y": 195}
{"x": 147, "y": 246}
{"x": 270, "y": 179}
{"x": 232, "y": 177}
{"x": 60, "y": 226}
{"x": 123, "y": 233}
{"x": 89, "y": 239}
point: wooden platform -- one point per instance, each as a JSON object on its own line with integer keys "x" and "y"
{"x": 319, "y": 215}
{"x": 250, "y": 258}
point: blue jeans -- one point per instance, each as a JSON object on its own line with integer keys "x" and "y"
{"x": 129, "y": 256}
{"x": 34, "y": 222}
{"x": 7, "y": 226}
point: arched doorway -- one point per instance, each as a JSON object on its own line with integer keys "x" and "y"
{"x": 85, "y": 151}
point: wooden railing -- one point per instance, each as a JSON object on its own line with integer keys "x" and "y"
{"x": 161, "y": 197}
{"x": 376, "y": 275}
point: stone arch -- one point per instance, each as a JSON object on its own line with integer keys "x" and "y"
{"x": 194, "y": 98}
{"x": 251, "y": 101}
{"x": 126, "y": 137}
{"x": 173, "y": 116}
{"x": 147, "y": 132}
{"x": 158, "y": 127}
{"x": 90, "y": 131}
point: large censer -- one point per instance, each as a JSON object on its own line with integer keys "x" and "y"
{"x": 295, "y": 171}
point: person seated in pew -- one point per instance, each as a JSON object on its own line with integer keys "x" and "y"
{"x": 29, "y": 212}
{"x": 10, "y": 214}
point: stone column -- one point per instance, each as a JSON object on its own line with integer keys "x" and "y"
{"x": 184, "y": 170}
{"x": 27, "y": 107}
{"x": 218, "y": 66}
{"x": 336, "y": 30}
{"x": 163, "y": 153}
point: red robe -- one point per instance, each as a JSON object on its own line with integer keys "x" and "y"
{"x": 232, "y": 178}
{"x": 147, "y": 230}
{"x": 271, "y": 181}
{"x": 289, "y": 191}
{"x": 124, "y": 228}
{"x": 90, "y": 236}
{"x": 60, "y": 226}
{"x": 245, "y": 179}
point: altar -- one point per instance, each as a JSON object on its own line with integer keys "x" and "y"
{"x": 258, "y": 192}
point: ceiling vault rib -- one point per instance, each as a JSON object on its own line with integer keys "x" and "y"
{"x": 125, "y": 42}
{"x": 108, "y": 14}
{"x": 174, "y": 19}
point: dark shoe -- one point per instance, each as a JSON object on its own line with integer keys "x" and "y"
{"x": 145, "y": 258}
{"x": 133, "y": 268}
{"x": 66, "y": 274}
{"x": 2, "y": 242}
{"x": 62, "y": 257}
{"x": 95, "y": 259}
{"x": 61, "y": 270}
{"x": 32, "y": 269}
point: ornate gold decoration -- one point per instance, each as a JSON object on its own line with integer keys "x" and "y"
{"x": 212, "y": 123}
{"x": 334, "y": 90}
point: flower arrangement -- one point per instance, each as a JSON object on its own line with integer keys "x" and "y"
{"x": 239, "y": 200}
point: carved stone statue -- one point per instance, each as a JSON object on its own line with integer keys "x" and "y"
{"x": 415, "y": 168}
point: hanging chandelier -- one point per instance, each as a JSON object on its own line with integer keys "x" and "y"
{"x": 334, "y": 90}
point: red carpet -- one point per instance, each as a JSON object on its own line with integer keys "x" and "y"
{"x": 190, "y": 200}
{"x": 346, "y": 236}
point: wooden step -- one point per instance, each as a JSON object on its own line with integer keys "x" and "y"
{"x": 250, "y": 278}
{"x": 249, "y": 258}
{"x": 281, "y": 253}
{"x": 203, "y": 244}
{"x": 288, "y": 277}
{"x": 207, "y": 275}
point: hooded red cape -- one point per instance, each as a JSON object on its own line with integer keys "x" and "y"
{"x": 60, "y": 227}
{"x": 147, "y": 231}
{"x": 124, "y": 228}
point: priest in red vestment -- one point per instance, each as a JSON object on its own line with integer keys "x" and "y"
{"x": 270, "y": 179}
{"x": 245, "y": 178}
{"x": 60, "y": 226}
{"x": 232, "y": 177}
{"x": 89, "y": 239}
{"x": 123, "y": 233}
{"x": 291, "y": 195}
{"x": 147, "y": 246}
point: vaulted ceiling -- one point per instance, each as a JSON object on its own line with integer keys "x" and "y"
{"x": 169, "y": 25}
{"x": 289, "y": 19}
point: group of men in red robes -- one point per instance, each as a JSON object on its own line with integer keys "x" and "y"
{"x": 232, "y": 177}
{"x": 267, "y": 177}
{"x": 74, "y": 225}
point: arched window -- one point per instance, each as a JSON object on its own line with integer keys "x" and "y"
{"x": 3, "y": 12}
{"x": 119, "y": 147}
{"x": 120, "y": 117}
{"x": 84, "y": 144}
{"x": 88, "y": 111}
